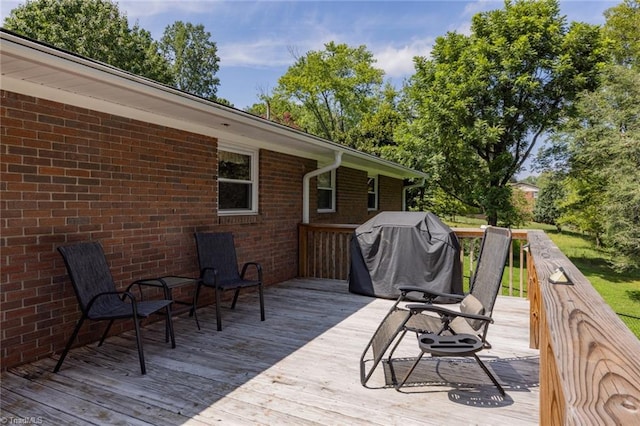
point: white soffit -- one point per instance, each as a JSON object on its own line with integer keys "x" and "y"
{"x": 41, "y": 71}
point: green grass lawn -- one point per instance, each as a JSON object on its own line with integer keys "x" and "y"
{"x": 620, "y": 290}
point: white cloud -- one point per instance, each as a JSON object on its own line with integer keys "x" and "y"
{"x": 398, "y": 61}
{"x": 135, "y": 9}
{"x": 262, "y": 53}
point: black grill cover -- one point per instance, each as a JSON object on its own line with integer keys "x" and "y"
{"x": 396, "y": 249}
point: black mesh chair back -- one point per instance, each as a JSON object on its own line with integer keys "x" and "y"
{"x": 487, "y": 278}
{"x": 90, "y": 276}
{"x": 99, "y": 299}
{"x": 216, "y": 252}
{"x": 219, "y": 270}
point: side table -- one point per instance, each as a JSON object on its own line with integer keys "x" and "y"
{"x": 168, "y": 283}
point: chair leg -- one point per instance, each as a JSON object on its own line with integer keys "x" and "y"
{"x": 169, "y": 327}
{"x": 261, "y": 302}
{"x": 106, "y": 332}
{"x": 195, "y": 305}
{"x": 69, "y": 343}
{"x": 218, "y": 310}
{"x": 136, "y": 324}
{"x": 413, "y": 367}
{"x": 491, "y": 376}
{"x": 235, "y": 298}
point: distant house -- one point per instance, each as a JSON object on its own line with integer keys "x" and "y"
{"x": 90, "y": 152}
{"x": 530, "y": 192}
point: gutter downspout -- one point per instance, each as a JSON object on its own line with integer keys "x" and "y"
{"x": 307, "y": 178}
{"x": 408, "y": 187}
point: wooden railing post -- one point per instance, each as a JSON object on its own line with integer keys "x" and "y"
{"x": 534, "y": 303}
{"x": 324, "y": 250}
{"x": 303, "y": 255}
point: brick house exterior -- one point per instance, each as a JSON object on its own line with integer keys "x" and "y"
{"x": 83, "y": 164}
{"x": 530, "y": 193}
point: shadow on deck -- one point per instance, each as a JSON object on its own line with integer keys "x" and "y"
{"x": 300, "y": 366}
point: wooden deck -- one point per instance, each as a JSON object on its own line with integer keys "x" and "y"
{"x": 298, "y": 367}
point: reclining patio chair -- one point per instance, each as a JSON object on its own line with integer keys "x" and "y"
{"x": 425, "y": 319}
{"x": 98, "y": 299}
{"x": 219, "y": 270}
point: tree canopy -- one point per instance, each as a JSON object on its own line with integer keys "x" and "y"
{"x": 622, "y": 28}
{"x": 92, "y": 28}
{"x": 601, "y": 150}
{"x": 185, "y": 58}
{"x": 335, "y": 87}
{"x": 596, "y": 153}
{"x": 482, "y": 101}
{"x": 193, "y": 58}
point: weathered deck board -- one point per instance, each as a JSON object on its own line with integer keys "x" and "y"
{"x": 300, "y": 366}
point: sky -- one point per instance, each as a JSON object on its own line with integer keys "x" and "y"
{"x": 258, "y": 40}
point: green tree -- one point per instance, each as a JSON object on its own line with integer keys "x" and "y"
{"x": 582, "y": 207}
{"x": 193, "y": 58}
{"x": 603, "y": 147}
{"x": 335, "y": 87}
{"x": 622, "y": 30}
{"x": 483, "y": 101}
{"x": 375, "y": 133}
{"x": 277, "y": 109}
{"x": 552, "y": 193}
{"x": 91, "y": 28}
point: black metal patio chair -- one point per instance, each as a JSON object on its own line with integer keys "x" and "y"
{"x": 219, "y": 270}
{"x": 427, "y": 320}
{"x": 99, "y": 300}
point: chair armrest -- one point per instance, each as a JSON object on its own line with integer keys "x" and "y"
{"x": 254, "y": 264}
{"x": 124, "y": 294}
{"x": 429, "y": 295}
{"x": 416, "y": 308}
{"x": 141, "y": 282}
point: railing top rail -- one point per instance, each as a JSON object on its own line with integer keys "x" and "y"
{"x": 516, "y": 234}
{"x": 329, "y": 226}
{"x": 595, "y": 353}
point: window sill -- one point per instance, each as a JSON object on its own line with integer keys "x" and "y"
{"x": 239, "y": 219}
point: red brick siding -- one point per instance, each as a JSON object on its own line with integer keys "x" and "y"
{"x": 69, "y": 174}
{"x": 272, "y": 236}
{"x": 389, "y": 194}
{"x": 351, "y": 198}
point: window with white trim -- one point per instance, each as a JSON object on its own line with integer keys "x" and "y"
{"x": 237, "y": 181}
{"x": 372, "y": 193}
{"x": 327, "y": 192}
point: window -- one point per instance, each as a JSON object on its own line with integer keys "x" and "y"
{"x": 237, "y": 181}
{"x": 372, "y": 192}
{"x": 326, "y": 192}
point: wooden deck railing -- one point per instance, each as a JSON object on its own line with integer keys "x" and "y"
{"x": 324, "y": 250}
{"x": 589, "y": 359}
{"x": 470, "y": 239}
{"x": 324, "y": 253}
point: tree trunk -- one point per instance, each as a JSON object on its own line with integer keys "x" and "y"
{"x": 492, "y": 219}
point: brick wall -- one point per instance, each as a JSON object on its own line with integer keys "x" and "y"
{"x": 389, "y": 194}
{"x": 352, "y": 198}
{"x": 69, "y": 174}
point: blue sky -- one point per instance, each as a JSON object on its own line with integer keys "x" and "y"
{"x": 256, "y": 39}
